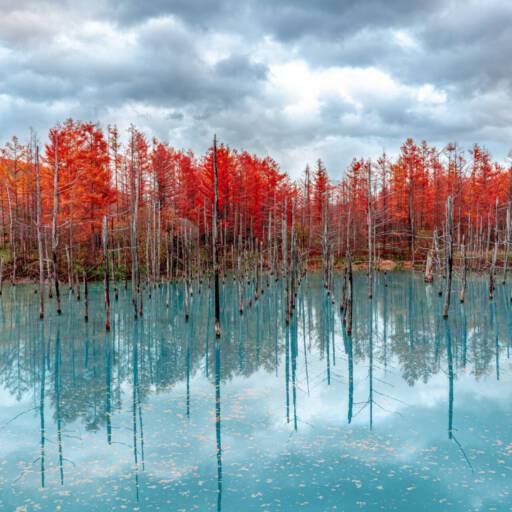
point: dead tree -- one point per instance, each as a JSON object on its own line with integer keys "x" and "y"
{"x": 343, "y": 304}
{"x": 86, "y": 299}
{"x": 55, "y": 239}
{"x": 370, "y": 232}
{"x": 12, "y": 239}
{"x": 134, "y": 206}
{"x": 240, "y": 278}
{"x": 492, "y": 270}
{"x": 448, "y": 254}
{"x": 464, "y": 265}
{"x": 350, "y": 293}
{"x": 438, "y": 262}
{"x": 507, "y": 244}
{"x": 215, "y": 248}
{"x": 429, "y": 275}
{"x": 39, "y": 236}
{"x": 325, "y": 241}
{"x": 106, "y": 273}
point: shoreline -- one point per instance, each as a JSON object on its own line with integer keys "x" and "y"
{"x": 383, "y": 266}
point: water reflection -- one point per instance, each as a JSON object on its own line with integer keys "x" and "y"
{"x": 67, "y": 383}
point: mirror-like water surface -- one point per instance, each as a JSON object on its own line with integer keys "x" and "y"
{"x": 410, "y": 413}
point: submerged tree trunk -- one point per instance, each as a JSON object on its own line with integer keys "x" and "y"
{"x": 464, "y": 270}
{"x": 12, "y": 239}
{"x": 134, "y": 206}
{"x": 429, "y": 276}
{"x": 106, "y": 273}
{"x": 55, "y": 239}
{"x": 350, "y": 293}
{"x": 438, "y": 262}
{"x": 448, "y": 255}
{"x": 370, "y": 233}
{"x": 507, "y": 243}
{"x": 86, "y": 299}
{"x": 39, "y": 236}
{"x": 343, "y": 304}
{"x": 214, "y": 238}
{"x": 492, "y": 270}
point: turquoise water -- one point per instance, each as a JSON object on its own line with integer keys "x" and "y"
{"x": 411, "y": 413}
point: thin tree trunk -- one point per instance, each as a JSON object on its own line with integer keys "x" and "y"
{"x": 448, "y": 255}
{"x": 370, "y": 233}
{"x": 464, "y": 270}
{"x": 350, "y": 294}
{"x": 106, "y": 273}
{"x": 507, "y": 244}
{"x": 86, "y": 299}
{"x": 214, "y": 237}
{"x": 39, "y": 236}
{"x": 429, "y": 276}
{"x": 134, "y": 205}
{"x": 492, "y": 271}
{"x": 55, "y": 239}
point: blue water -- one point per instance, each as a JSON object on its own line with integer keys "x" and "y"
{"x": 412, "y": 413}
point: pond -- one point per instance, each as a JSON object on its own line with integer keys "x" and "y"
{"x": 411, "y": 412}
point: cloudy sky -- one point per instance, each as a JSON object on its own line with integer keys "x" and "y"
{"x": 294, "y": 79}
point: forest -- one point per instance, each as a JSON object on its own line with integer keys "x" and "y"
{"x": 89, "y": 206}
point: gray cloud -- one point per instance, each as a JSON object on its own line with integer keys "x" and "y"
{"x": 294, "y": 79}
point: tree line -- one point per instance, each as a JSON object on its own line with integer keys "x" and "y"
{"x": 94, "y": 195}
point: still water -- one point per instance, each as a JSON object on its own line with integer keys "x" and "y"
{"x": 410, "y": 413}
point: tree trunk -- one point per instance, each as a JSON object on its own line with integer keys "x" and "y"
{"x": 370, "y": 233}
{"x": 350, "y": 294}
{"x": 215, "y": 248}
{"x": 39, "y": 236}
{"x": 106, "y": 273}
{"x": 55, "y": 239}
{"x": 464, "y": 270}
{"x": 448, "y": 255}
{"x": 86, "y": 299}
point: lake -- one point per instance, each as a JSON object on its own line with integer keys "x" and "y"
{"x": 411, "y": 412}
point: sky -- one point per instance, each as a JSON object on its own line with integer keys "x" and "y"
{"x": 297, "y": 80}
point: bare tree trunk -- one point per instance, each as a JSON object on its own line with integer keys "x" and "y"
{"x": 187, "y": 264}
{"x": 106, "y": 273}
{"x": 448, "y": 255}
{"x": 507, "y": 244}
{"x": 429, "y": 276}
{"x": 343, "y": 305}
{"x": 148, "y": 236}
{"x": 269, "y": 250}
{"x": 350, "y": 293}
{"x": 438, "y": 262}
{"x": 464, "y": 270}
{"x": 86, "y": 299}
{"x": 39, "y": 236}
{"x": 214, "y": 237}
{"x": 12, "y": 236}
{"x": 134, "y": 206}
{"x": 492, "y": 270}
{"x": 240, "y": 278}
{"x": 48, "y": 268}
{"x": 68, "y": 261}
{"x": 370, "y": 233}
{"x": 158, "y": 244}
{"x": 55, "y": 239}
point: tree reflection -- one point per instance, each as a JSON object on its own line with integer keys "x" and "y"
{"x": 82, "y": 374}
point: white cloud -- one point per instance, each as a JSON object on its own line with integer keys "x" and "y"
{"x": 297, "y": 82}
